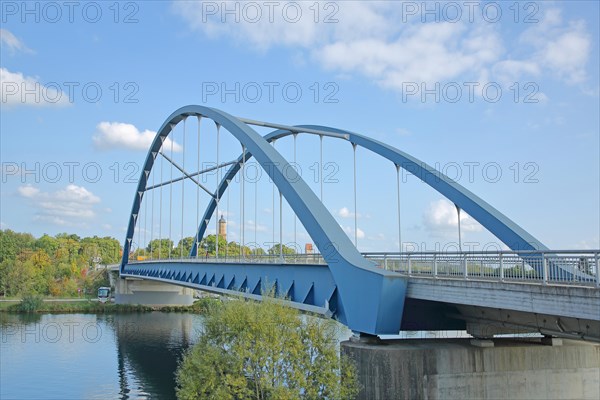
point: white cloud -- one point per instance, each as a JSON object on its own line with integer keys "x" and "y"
{"x": 17, "y": 89}
{"x": 563, "y": 49}
{"x": 13, "y": 43}
{"x": 379, "y": 41}
{"x": 366, "y": 39}
{"x": 28, "y": 191}
{"x": 73, "y": 205}
{"x": 345, "y": 212}
{"x": 441, "y": 218}
{"x": 421, "y": 53}
{"x": 118, "y": 135}
{"x": 511, "y": 70}
{"x": 261, "y": 34}
{"x": 350, "y": 232}
{"x": 77, "y": 194}
{"x": 568, "y": 54}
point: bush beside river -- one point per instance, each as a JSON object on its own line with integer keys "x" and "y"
{"x": 36, "y": 304}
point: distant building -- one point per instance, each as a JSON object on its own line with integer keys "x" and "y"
{"x": 223, "y": 228}
{"x": 308, "y": 248}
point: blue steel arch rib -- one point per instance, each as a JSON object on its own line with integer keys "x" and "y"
{"x": 369, "y": 299}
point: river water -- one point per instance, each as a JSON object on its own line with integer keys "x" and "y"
{"x": 89, "y": 356}
{"x": 95, "y": 356}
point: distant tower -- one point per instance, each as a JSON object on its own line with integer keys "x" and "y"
{"x": 308, "y": 248}
{"x": 223, "y": 228}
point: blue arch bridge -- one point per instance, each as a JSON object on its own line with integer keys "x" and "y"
{"x": 528, "y": 288}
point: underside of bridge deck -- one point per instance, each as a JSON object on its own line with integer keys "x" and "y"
{"x": 485, "y": 309}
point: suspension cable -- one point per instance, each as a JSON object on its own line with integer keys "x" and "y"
{"x": 160, "y": 209}
{"x": 145, "y": 218}
{"x": 355, "y": 210}
{"x": 273, "y": 206}
{"x": 399, "y": 215}
{"x": 244, "y": 198}
{"x": 171, "y": 196}
{"x": 281, "y": 227}
{"x": 152, "y": 219}
{"x": 459, "y": 237}
{"x": 242, "y": 203}
{"x": 217, "y": 197}
{"x": 295, "y": 216}
{"x": 138, "y": 221}
{"x": 256, "y": 209}
{"x": 198, "y": 189}
{"x": 226, "y": 228}
{"x": 182, "y": 191}
{"x": 321, "y": 165}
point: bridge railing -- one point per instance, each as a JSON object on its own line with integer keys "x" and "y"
{"x": 307, "y": 259}
{"x": 566, "y": 267}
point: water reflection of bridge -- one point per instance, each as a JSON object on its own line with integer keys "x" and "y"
{"x": 149, "y": 347}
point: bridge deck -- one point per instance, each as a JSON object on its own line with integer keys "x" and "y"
{"x": 567, "y": 307}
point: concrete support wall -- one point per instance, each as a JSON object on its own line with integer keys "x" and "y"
{"x": 151, "y": 293}
{"x": 454, "y": 369}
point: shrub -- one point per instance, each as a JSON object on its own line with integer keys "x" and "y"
{"x": 31, "y": 303}
{"x": 265, "y": 350}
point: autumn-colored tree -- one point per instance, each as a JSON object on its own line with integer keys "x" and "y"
{"x": 55, "y": 266}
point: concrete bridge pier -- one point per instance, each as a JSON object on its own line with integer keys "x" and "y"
{"x": 151, "y": 293}
{"x": 457, "y": 369}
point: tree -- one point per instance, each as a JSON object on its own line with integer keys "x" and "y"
{"x": 286, "y": 250}
{"x": 52, "y": 265}
{"x": 48, "y": 244}
{"x": 252, "y": 350}
{"x": 105, "y": 250}
{"x": 20, "y": 276}
{"x": 184, "y": 246}
{"x": 12, "y": 243}
{"x": 68, "y": 247}
{"x": 160, "y": 247}
{"x": 209, "y": 244}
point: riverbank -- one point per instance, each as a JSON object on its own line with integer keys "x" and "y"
{"x": 94, "y": 306}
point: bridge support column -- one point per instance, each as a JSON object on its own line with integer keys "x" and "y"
{"x": 151, "y": 293}
{"x": 454, "y": 369}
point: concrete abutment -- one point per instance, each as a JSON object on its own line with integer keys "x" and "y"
{"x": 151, "y": 293}
{"x": 455, "y": 369}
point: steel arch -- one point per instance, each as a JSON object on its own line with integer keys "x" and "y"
{"x": 370, "y": 299}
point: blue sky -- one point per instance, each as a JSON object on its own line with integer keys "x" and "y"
{"x": 504, "y": 98}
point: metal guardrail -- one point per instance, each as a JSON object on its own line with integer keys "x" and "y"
{"x": 307, "y": 259}
{"x": 555, "y": 267}
{"x": 564, "y": 267}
